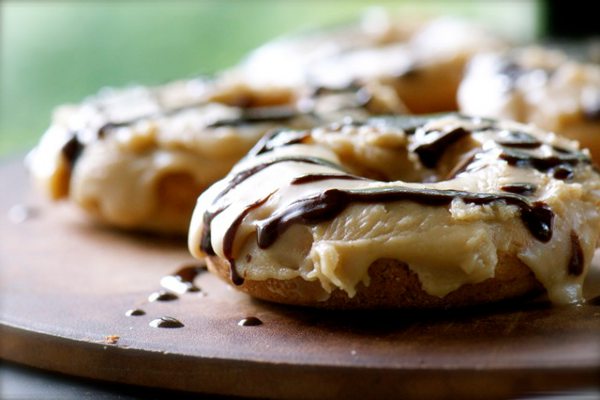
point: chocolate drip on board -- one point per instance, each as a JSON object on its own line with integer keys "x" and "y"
{"x": 182, "y": 280}
{"x": 250, "y": 321}
{"x": 162, "y": 295}
{"x": 166, "y": 322}
{"x": 137, "y": 312}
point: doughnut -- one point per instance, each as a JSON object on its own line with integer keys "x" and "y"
{"x": 432, "y": 211}
{"x": 137, "y": 158}
{"x": 536, "y": 85}
{"x": 423, "y": 62}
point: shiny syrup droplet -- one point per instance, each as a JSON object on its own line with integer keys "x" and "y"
{"x": 135, "y": 312}
{"x": 249, "y": 321}
{"x": 162, "y": 295}
{"x": 166, "y": 322}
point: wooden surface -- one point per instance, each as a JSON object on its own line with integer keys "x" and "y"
{"x": 65, "y": 286}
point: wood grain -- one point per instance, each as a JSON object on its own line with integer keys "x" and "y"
{"x": 66, "y": 284}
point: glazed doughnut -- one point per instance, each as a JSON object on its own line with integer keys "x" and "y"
{"x": 436, "y": 211}
{"x": 423, "y": 62}
{"x": 137, "y": 158}
{"x": 540, "y": 86}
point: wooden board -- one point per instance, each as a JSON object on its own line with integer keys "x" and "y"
{"x": 65, "y": 286}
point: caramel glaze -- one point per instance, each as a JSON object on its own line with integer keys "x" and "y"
{"x": 537, "y": 217}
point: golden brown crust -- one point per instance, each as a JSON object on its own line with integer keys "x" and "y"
{"x": 392, "y": 285}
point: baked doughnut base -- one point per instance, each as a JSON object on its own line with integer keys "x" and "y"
{"x": 393, "y": 285}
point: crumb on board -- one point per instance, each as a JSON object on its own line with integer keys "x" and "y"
{"x": 111, "y": 339}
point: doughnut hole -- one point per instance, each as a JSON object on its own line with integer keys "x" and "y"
{"x": 429, "y": 89}
{"x": 386, "y": 159}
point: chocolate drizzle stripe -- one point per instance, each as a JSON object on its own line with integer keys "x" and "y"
{"x": 229, "y": 236}
{"x": 430, "y": 153}
{"x": 278, "y": 138}
{"x": 258, "y": 115}
{"x": 309, "y": 178}
{"x": 463, "y": 164}
{"x": 206, "y": 237}
{"x": 247, "y": 173}
{"x": 542, "y": 164}
{"x": 72, "y": 149}
{"x": 576, "y": 259}
{"x": 522, "y": 188}
{"x": 537, "y": 217}
{"x": 209, "y": 215}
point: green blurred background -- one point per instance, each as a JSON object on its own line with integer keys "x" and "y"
{"x": 53, "y": 52}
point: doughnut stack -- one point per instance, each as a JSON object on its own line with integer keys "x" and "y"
{"x": 324, "y": 179}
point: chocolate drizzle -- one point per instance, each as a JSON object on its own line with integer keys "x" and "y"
{"x": 518, "y": 139}
{"x": 205, "y": 244}
{"x": 72, "y": 149}
{"x": 229, "y": 237}
{"x": 309, "y": 178}
{"x": 576, "y": 260}
{"x": 430, "y": 153}
{"x": 563, "y": 172}
{"x": 258, "y": 115}
{"x": 537, "y": 217}
{"x": 543, "y": 164}
{"x": 524, "y": 189}
{"x": 278, "y": 138}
